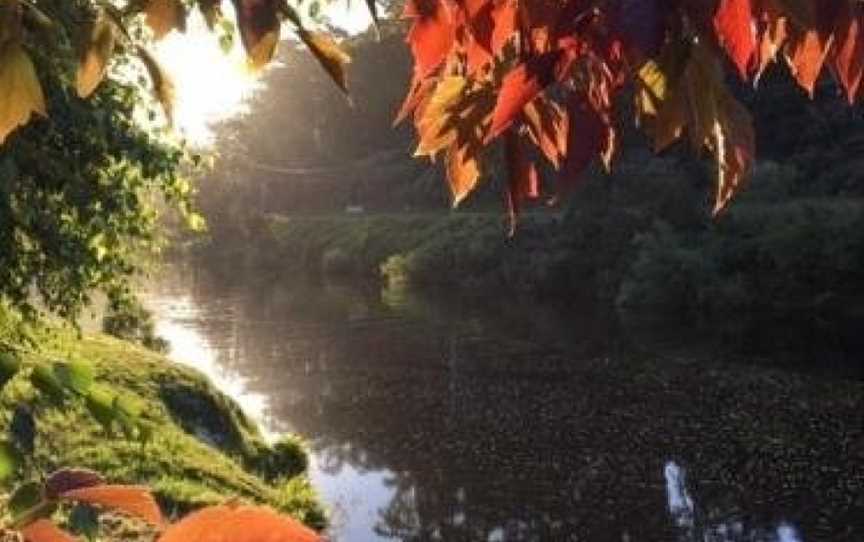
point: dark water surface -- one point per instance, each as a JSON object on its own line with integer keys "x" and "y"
{"x": 435, "y": 418}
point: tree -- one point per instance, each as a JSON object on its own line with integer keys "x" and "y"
{"x": 545, "y": 73}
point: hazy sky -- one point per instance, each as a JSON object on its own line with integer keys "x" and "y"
{"x": 212, "y": 85}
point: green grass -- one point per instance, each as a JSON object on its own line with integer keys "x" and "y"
{"x": 185, "y": 471}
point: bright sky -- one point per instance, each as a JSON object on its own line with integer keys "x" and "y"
{"x": 212, "y": 86}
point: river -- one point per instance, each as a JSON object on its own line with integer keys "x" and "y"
{"x": 440, "y": 418}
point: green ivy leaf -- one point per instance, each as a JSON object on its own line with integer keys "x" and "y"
{"x": 44, "y": 379}
{"x": 76, "y": 376}
{"x": 10, "y": 459}
{"x": 9, "y": 367}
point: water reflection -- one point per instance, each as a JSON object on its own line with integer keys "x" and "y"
{"x": 443, "y": 420}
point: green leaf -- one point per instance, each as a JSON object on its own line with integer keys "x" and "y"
{"x": 100, "y": 403}
{"x": 84, "y": 520}
{"x": 28, "y": 504}
{"x": 10, "y": 459}
{"x": 9, "y": 366}
{"x": 75, "y": 376}
{"x": 44, "y": 379}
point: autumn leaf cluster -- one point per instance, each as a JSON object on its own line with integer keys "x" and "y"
{"x": 550, "y": 74}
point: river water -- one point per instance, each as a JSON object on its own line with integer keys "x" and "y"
{"x": 439, "y": 418}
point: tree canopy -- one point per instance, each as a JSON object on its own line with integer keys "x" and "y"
{"x": 556, "y": 75}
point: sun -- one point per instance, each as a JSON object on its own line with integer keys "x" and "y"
{"x": 214, "y": 85}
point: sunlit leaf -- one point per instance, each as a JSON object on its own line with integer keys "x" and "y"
{"x": 163, "y": 16}
{"x": 521, "y": 86}
{"x": 76, "y": 376}
{"x": 259, "y": 26}
{"x": 432, "y": 33}
{"x": 238, "y": 524}
{"x": 463, "y": 170}
{"x": 95, "y": 57}
{"x": 9, "y": 367}
{"x": 46, "y": 381}
{"x": 437, "y": 126}
{"x": 848, "y": 51}
{"x": 20, "y": 89}
{"x": 10, "y": 459}
{"x": 736, "y": 28}
{"x": 44, "y": 530}
{"x": 136, "y": 501}
{"x": 211, "y": 10}
{"x": 328, "y": 53}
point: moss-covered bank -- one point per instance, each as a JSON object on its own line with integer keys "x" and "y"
{"x": 203, "y": 449}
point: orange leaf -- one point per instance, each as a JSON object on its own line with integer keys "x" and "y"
{"x": 163, "y": 16}
{"x": 136, "y": 501}
{"x": 45, "y": 531}
{"x": 549, "y": 126}
{"x": 333, "y": 59}
{"x": 259, "y": 29}
{"x": 848, "y": 52}
{"x": 735, "y": 29}
{"x": 431, "y": 35}
{"x": 519, "y": 87}
{"x": 463, "y": 170}
{"x": 241, "y": 524}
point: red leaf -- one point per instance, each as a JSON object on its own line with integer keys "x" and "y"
{"x": 242, "y": 524}
{"x": 520, "y": 86}
{"x": 432, "y": 34}
{"x": 136, "y": 501}
{"x": 45, "y": 531}
{"x": 65, "y": 480}
{"x": 848, "y": 52}
{"x": 736, "y": 30}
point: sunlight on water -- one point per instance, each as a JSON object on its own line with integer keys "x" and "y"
{"x": 190, "y": 347}
{"x": 683, "y": 511}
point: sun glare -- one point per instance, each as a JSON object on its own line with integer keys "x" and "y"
{"x": 212, "y": 85}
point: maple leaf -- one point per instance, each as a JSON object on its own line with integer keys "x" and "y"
{"x": 163, "y": 16}
{"x": 735, "y": 26}
{"x": 432, "y": 33}
{"x": 95, "y": 56}
{"x": 463, "y": 169}
{"x": 521, "y": 86}
{"x": 135, "y": 501}
{"x": 20, "y": 89}
{"x": 238, "y": 524}
{"x": 44, "y": 531}
{"x": 847, "y": 55}
{"x": 437, "y": 126}
{"x": 548, "y": 126}
{"x": 259, "y": 27}
{"x": 333, "y": 59}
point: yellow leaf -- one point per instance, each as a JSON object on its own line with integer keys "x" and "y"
{"x": 20, "y": 89}
{"x": 329, "y": 55}
{"x": 94, "y": 60}
{"x": 263, "y": 51}
{"x": 163, "y": 16}
{"x": 438, "y": 121}
{"x": 463, "y": 170}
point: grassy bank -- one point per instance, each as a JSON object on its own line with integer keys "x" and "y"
{"x": 201, "y": 448}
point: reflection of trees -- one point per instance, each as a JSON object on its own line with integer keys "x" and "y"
{"x": 492, "y": 436}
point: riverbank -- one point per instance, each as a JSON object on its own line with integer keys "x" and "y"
{"x": 200, "y": 448}
{"x": 804, "y": 256}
